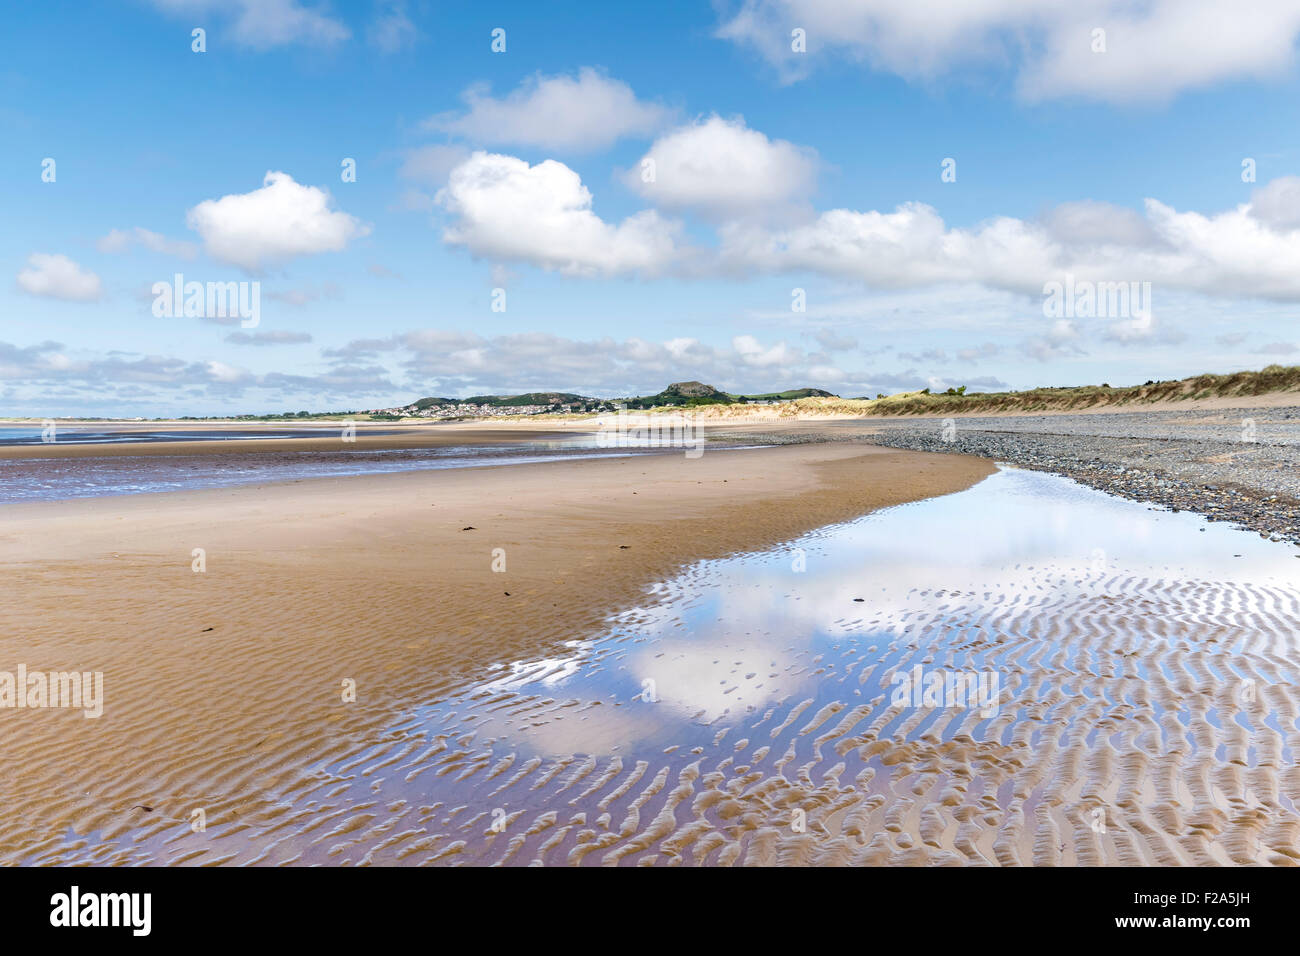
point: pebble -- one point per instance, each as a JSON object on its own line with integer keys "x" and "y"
{"x": 1192, "y": 460}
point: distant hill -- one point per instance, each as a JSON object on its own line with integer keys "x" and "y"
{"x": 817, "y": 402}
{"x": 681, "y": 393}
{"x": 789, "y": 395}
{"x": 697, "y": 393}
{"x": 506, "y": 401}
{"x": 687, "y": 394}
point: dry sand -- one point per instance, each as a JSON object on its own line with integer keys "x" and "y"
{"x": 223, "y": 689}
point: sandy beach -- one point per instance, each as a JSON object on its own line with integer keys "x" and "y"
{"x": 360, "y": 669}
{"x": 759, "y": 433}
{"x": 222, "y": 688}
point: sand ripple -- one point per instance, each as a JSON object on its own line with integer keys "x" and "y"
{"x": 1143, "y": 718}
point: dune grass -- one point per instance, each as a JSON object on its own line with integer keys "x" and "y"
{"x": 1274, "y": 378}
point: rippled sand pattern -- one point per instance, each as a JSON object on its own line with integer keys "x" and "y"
{"x": 1121, "y": 737}
{"x": 1146, "y": 714}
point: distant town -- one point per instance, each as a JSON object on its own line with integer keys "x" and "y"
{"x": 687, "y": 394}
{"x": 469, "y": 409}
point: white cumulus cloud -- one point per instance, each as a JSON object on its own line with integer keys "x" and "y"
{"x": 502, "y": 208}
{"x": 1236, "y": 252}
{"x": 281, "y": 220}
{"x": 1278, "y": 203}
{"x": 723, "y": 168}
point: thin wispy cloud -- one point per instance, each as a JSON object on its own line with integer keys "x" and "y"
{"x": 1146, "y": 52}
{"x": 58, "y": 277}
{"x": 583, "y": 112}
{"x": 266, "y": 24}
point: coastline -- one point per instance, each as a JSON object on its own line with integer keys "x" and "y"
{"x": 222, "y": 688}
{"x": 408, "y": 437}
{"x": 1199, "y": 464}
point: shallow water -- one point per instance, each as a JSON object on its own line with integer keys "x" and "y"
{"x": 1144, "y": 663}
{"x": 108, "y": 435}
{"x": 737, "y": 635}
{"x": 48, "y": 479}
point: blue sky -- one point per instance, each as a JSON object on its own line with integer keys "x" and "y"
{"x": 774, "y": 169}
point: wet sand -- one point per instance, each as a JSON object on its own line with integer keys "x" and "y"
{"x": 224, "y": 689}
{"x": 368, "y": 437}
{"x": 1136, "y": 671}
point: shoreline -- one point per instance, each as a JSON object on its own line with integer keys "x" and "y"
{"x": 410, "y": 437}
{"x": 1249, "y": 485}
{"x": 222, "y": 688}
{"x": 1116, "y": 450}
